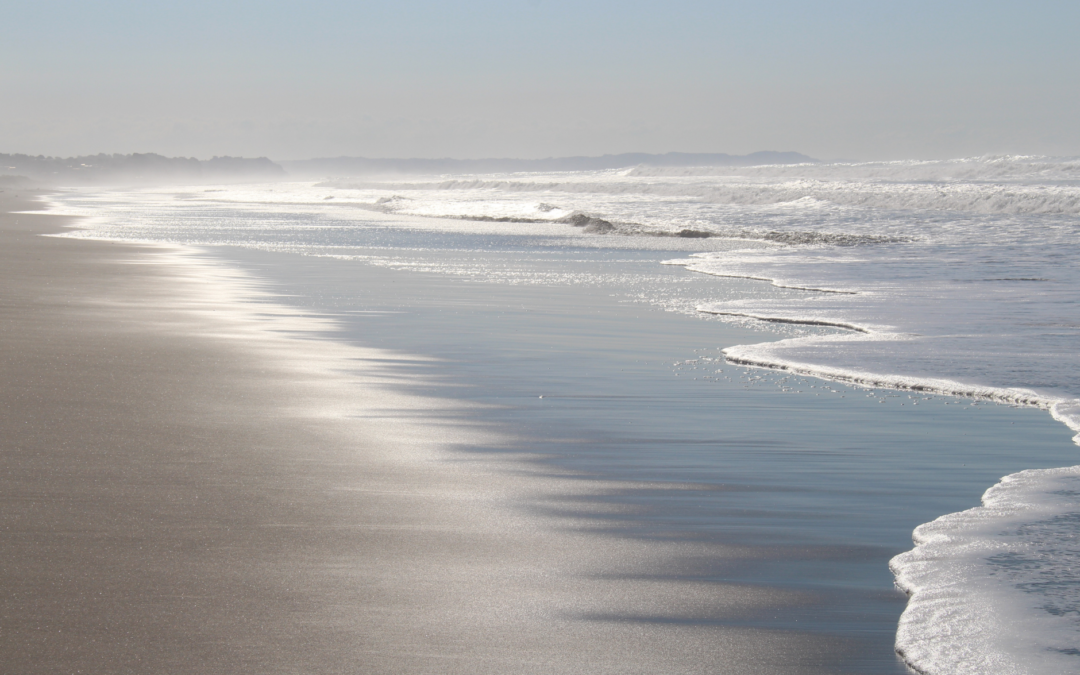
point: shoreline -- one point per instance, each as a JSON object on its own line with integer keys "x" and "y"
{"x": 571, "y": 539}
{"x": 1000, "y": 417}
{"x": 191, "y": 485}
{"x": 162, "y": 484}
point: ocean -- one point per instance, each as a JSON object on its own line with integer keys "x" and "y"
{"x": 816, "y": 362}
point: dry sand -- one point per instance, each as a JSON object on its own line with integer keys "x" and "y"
{"x": 191, "y": 483}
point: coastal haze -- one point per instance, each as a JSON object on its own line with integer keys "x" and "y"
{"x": 540, "y": 78}
{"x": 153, "y": 169}
{"x": 539, "y": 337}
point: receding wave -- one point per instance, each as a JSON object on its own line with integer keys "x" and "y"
{"x": 996, "y": 588}
{"x": 781, "y": 319}
{"x": 756, "y": 355}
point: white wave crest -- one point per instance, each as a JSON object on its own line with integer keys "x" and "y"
{"x": 804, "y": 193}
{"x": 1008, "y": 168}
{"x": 992, "y": 185}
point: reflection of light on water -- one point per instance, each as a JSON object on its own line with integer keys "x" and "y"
{"x": 964, "y": 275}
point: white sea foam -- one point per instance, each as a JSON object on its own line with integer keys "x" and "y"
{"x": 960, "y": 277}
{"x": 996, "y": 589}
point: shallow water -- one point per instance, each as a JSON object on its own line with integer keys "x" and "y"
{"x": 823, "y": 483}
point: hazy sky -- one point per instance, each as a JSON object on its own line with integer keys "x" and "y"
{"x": 859, "y": 79}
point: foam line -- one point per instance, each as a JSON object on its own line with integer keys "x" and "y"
{"x": 688, "y": 264}
{"x": 748, "y": 355}
{"x": 777, "y": 319}
{"x": 991, "y": 588}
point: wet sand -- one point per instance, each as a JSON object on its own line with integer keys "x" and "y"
{"x": 189, "y": 482}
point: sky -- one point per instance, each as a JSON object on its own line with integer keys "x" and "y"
{"x": 834, "y": 79}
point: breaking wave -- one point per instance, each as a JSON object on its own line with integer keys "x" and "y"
{"x": 991, "y": 185}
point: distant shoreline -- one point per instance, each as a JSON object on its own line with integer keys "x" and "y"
{"x": 151, "y": 168}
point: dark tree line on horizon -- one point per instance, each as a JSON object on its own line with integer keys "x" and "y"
{"x": 103, "y": 168}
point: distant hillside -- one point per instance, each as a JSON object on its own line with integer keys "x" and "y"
{"x": 139, "y": 168}
{"x": 358, "y": 166}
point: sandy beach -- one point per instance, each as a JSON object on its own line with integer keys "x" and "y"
{"x": 191, "y": 483}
